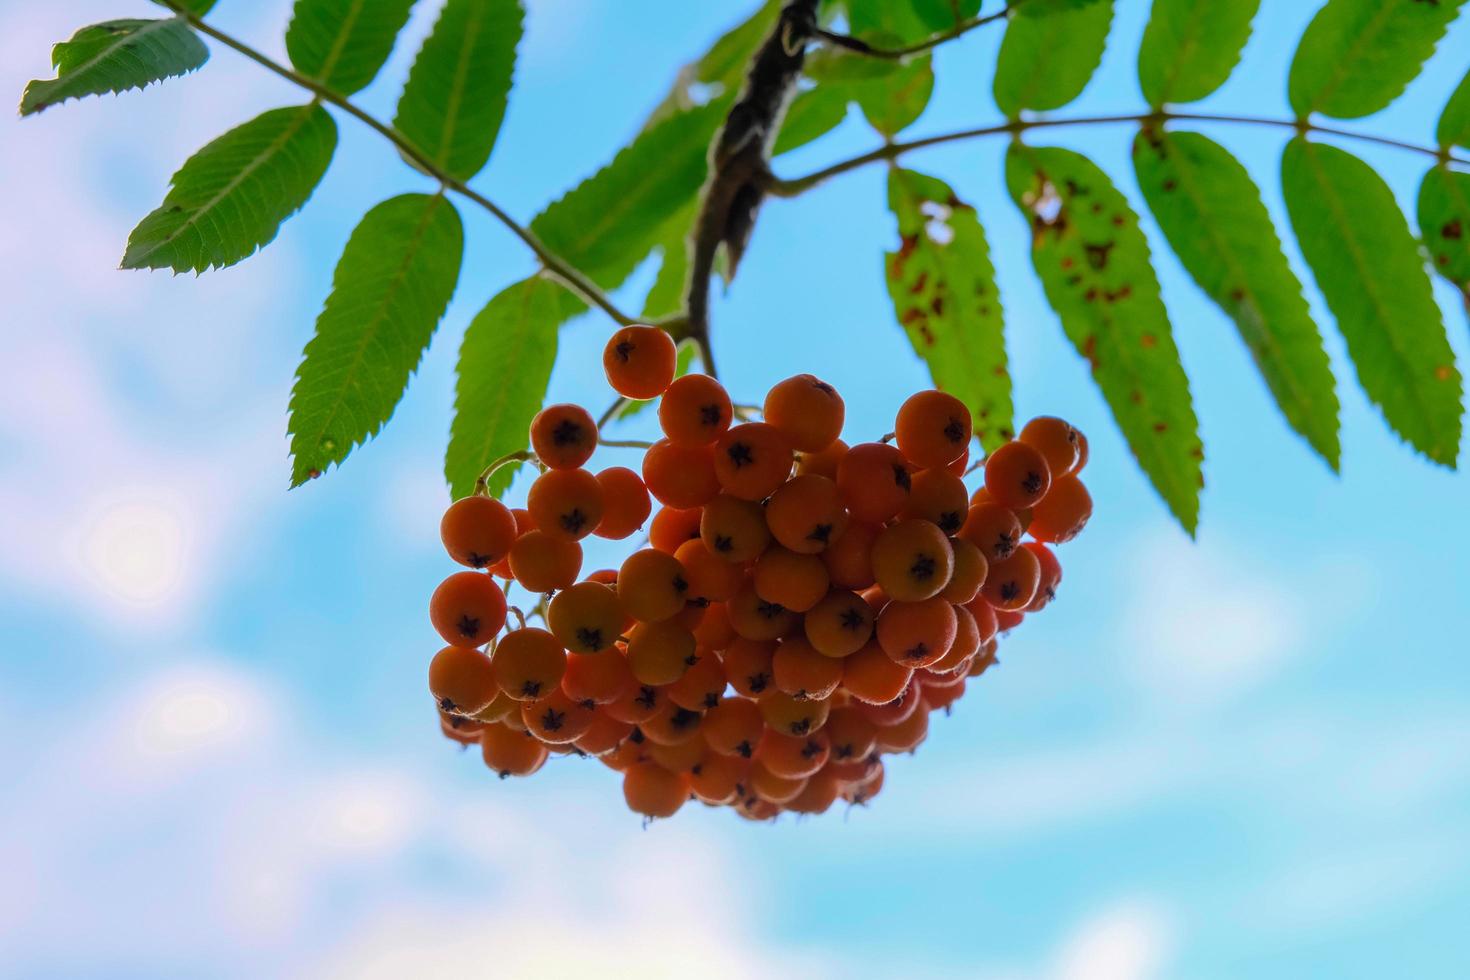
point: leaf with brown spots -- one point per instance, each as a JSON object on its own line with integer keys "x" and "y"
{"x": 1211, "y": 212}
{"x": 1372, "y": 274}
{"x": 1108, "y": 308}
{"x": 944, "y": 293}
{"x": 1444, "y": 221}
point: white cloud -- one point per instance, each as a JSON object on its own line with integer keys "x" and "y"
{"x": 1128, "y": 940}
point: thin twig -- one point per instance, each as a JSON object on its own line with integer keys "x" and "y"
{"x": 612, "y": 412}
{"x": 959, "y": 30}
{"x": 625, "y": 443}
{"x": 570, "y": 275}
{"x": 891, "y": 151}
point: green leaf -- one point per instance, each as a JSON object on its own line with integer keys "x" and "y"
{"x": 391, "y": 287}
{"x": 1211, "y": 212}
{"x": 1045, "y": 8}
{"x": 1370, "y": 271}
{"x": 229, "y": 199}
{"x": 683, "y": 361}
{"x": 941, "y": 15}
{"x": 197, "y": 7}
{"x": 610, "y": 221}
{"x": 1046, "y": 62}
{"x": 505, "y": 365}
{"x": 113, "y": 57}
{"x": 1093, "y": 261}
{"x": 813, "y": 114}
{"x": 1190, "y": 48}
{"x": 895, "y": 101}
{"x": 666, "y": 295}
{"x": 945, "y": 296}
{"x": 455, "y": 97}
{"x": 344, "y": 43}
{"x": 1444, "y": 221}
{"x": 1357, "y": 56}
{"x": 1454, "y": 123}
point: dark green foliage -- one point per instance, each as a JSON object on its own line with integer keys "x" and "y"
{"x": 1368, "y": 267}
{"x": 944, "y": 294}
{"x": 392, "y": 284}
{"x": 113, "y": 57}
{"x": 1444, "y": 221}
{"x": 1191, "y": 47}
{"x": 344, "y": 43}
{"x": 1094, "y": 263}
{"x": 1211, "y": 212}
{"x": 1454, "y": 122}
{"x": 455, "y": 97}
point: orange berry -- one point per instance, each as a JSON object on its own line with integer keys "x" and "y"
{"x": 659, "y": 653}
{"x": 734, "y": 529}
{"x": 637, "y": 704}
{"x": 809, "y": 411}
{"x": 556, "y": 719}
{"x": 714, "y": 631}
{"x": 983, "y": 661}
{"x": 756, "y": 809}
{"x": 1056, "y": 440}
{"x": 529, "y": 663}
{"x": 961, "y": 465}
{"x": 1081, "y": 453}
{"x": 1012, "y": 582}
{"x": 458, "y": 728}
{"x": 603, "y": 736}
{"x": 905, "y": 735}
{"x": 585, "y": 618}
{"x": 861, "y": 793}
{"x": 756, "y": 618}
{"x": 508, "y": 752}
{"x": 916, "y": 634}
{"x": 709, "y": 577}
{"x": 651, "y": 586}
{"x": 680, "y": 476}
{"x": 1050, "y": 578}
{"x": 874, "y": 480}
{"x": 748, "y": 666}
{"x": 524, "y": 523}
{"x": 797, "y": 582}
{"x": 640, "y": 361}
{"x": 461, "y": 680}
{"x": 1008, "y": 619}
{"x": 817, "y": 796}
{"x": 895, "y": 711}
{"x": 601, "y": 678}
{"x": 970, "y": 569}
{"x": 499, "y": 707}
{"x": 625, "y": 503}
{"x": 477, "y": 531}
{"x": 1016, "y": 475}
{"x": 680, "y": 757}
{"x": 806, "y": 514}
{"x": 793, "y": 716}
{"x": 940, "y": 497}
{"x": 467, "y": 609}
{"x": 715, "y": 779}
{"x": 993, "y": 529}
{"x": 671, "y": 725}
{"x": 912, "y": 560}
{"x": 985, "y": 618}
{"x": 849, "y": 558}
{"x": 850, "y": 733}
{"x": 967, "y": 641}
{"x": 543, "y": 562}
{"x": 932, "y": 428}
{"x": 566, "y": 503}
{"x": 772, "y": 788}
{"x": 630, "y": 751}
{"x": 824, "y": 463}
{"x": 733, "y": 727}
{"x": 802, "y": 672}
{"x": 563, "y": 436}
{"x": 840, "y": 625}
{"x": 1062, "y": 514}
{"x": 942, "y": 698}
{"x": 653, "y": 791}
{"x": 673, "y": 526}
{"x": 702, "y": 684}
{"x": 752, "y": 460}
{"x": 792, "y": 756}
{"x": 695, "y": 411}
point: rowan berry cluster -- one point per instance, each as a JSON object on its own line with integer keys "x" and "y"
{"x": 801, "y": 607}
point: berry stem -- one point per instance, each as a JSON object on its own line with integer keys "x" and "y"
{"x": 625, "y": 443}
{"x": 482, "y": 482}
{"x": 564, "y": 272}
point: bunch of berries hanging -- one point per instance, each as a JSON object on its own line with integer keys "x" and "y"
{"x": 800, "y": 609}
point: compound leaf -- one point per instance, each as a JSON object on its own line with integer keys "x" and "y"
{"x": 390, "y": 289}
{"x": 813, "y": 114}
{"x": 1454, "y": 122}
{"x": 1190, "y": 48}
{"x": 1444, "y": 221}
{"x": 940, "y": 15}
{"x": 1046, "y": 61}
{"x": 892, "y": 102}
{"x": 344, "y": 43}
{"x": 113, "y": 57}
{"x": 229, "y": 199}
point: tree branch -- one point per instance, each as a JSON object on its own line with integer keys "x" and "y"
{"x": 891, "y": 151}
{"x": 740, "y": 160}
{"x": 568, "y": 274}
{"x": 960, "y": 29}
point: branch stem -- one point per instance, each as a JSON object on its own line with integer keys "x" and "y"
{"x": 959, "y": 30}
{"x": 892, "y": 151}
{"x": 572, "y": 277}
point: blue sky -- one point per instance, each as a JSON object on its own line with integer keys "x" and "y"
{"x": 1247, "y": 755}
